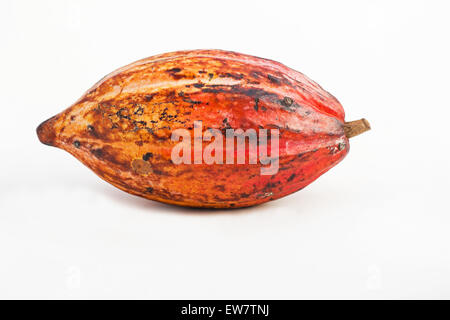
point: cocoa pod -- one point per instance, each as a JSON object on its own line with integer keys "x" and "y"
{"x": 123, "y": 129}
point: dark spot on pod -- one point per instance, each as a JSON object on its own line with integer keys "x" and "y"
{"x": 181, "y": 94}
{"x": 139, "y": 124}
{"x": 210, "y": 75}
{"x": 220, "y": 187}
{"x": 201, "y": 71}
{"x": 170, "y": 95}
{"x": 198, "y": 85}
{"x": 147, "y": 156}
{"x": 256, "y": 74}
{"x": 148, "y": 97}
{"x": 191, "y": 101}
{"x": 291, "y": 177}
{"x": 72, "y": 118}
{"x": 76, "y": 144}
{"x": 174, "y": 73}
{"x": 97, "y": 152}
{"x": 341, "y": 146}
{"x": 270, "y": 185}
{"x": 256, "y": 104}
{"x": 232, "y": 204}
{"x": 149, "y": 190}
{"x": 244, "y": 195}
{"x": 332, "y": 150}
{"x": 122, "y": 113}
{"x": 232, "y": 75}
{"x": 139, "y": 111}
{"x": 226, "y": 124}
{"x": 91, "y": 130}
{"x": 268, "y": 188}
{"x": 212, "y": 90}
{"x": 174, "y": 70}
{"x": 274, "y": 79}
{"x": 301, "y": 155}
{"x": 287, "y": 102}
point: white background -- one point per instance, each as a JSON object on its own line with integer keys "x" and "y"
{"x": 375, "y": 226}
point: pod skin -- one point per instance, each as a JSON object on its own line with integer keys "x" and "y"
{"x": 121, "y": 128}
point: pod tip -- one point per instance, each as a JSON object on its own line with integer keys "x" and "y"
{"x": 46, "y": 132}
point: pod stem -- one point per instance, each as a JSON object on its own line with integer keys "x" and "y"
{"x": 354, "y": 128}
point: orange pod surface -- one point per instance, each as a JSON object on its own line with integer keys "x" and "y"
{"x": 205, "y": 128}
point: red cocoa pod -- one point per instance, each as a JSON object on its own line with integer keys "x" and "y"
{"x": 123, "y": 129}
